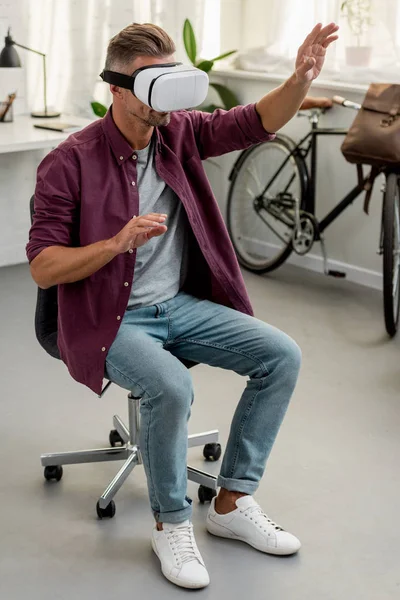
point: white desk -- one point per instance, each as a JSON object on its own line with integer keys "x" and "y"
{"x": 21, "y": 135}
{"x": 22, "y": 148}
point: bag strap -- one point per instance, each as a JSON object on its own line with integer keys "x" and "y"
{"x": 368, "y": 186}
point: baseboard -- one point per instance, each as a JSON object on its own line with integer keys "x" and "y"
{"x": 313, "y": 262}
{"x": 12, "y": 255}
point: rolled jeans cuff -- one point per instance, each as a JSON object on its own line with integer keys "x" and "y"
{"x": 237, "y": 485}
{"x": 175, "y": 516}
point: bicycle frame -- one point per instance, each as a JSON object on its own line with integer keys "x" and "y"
{"x": 311, "y": 173}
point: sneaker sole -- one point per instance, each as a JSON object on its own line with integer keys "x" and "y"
{"x": 176, "y": 580}
{"x": 220, "y": 531}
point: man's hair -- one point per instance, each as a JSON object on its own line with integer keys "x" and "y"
{"x": 137, "y": 40}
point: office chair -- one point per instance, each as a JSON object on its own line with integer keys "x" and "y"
{"x": 124, "y": 441}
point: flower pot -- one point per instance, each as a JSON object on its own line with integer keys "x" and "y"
{"x": 358, "y": 56}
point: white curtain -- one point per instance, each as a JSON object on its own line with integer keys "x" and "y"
{"x": 75, "y": 33}
{"x": 273, "y": 30}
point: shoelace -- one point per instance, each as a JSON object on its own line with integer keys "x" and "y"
{"x": 183, "y": 541}
{"x": 259, "y": 514}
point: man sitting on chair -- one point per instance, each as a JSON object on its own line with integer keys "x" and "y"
{"x": 128, "y": 228}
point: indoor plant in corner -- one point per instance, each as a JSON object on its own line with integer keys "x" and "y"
{"x": 358, "y": 15}
{"x": 227, "y": 97}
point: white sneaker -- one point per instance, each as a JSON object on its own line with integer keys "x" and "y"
{"x": 181, "y": 561}
{"x": 248, "y": 523}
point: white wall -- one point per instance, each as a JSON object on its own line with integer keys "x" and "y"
{"x": 76, "y": 49}
{"x": 17, "y": 170}
{"x": 13, "y": 80}
{"x": 353, "y": 238}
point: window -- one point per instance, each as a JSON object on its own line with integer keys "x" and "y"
{"x": 272, "y": 30}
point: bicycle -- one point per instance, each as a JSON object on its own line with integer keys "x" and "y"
{"x": 271, "y": 208}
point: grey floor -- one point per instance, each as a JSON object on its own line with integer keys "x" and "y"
{"x": 333, "y": 477}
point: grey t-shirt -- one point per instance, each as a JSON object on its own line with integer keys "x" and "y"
{"x": 161, "y": 264}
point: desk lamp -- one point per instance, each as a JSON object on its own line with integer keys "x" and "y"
{"x": 9, "y": 58}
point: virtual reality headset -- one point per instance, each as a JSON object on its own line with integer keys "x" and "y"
{"x": 164, "y": 87}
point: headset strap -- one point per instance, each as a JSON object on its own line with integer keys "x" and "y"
{"x": 124, "y": 81}
{"x": 127, "y": 81}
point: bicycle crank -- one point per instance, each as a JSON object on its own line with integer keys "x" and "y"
{"x": 303, "y": 234}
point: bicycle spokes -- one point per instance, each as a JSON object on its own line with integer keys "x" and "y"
{"x": 283, "y": 209}
{"x": 264, "y": 205}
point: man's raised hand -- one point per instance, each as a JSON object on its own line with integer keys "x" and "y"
{"x": 311, "y": 54}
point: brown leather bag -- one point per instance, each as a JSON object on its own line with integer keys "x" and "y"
{"x": 374, "y": 137}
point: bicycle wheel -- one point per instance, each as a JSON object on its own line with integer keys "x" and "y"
{"x": 391, "y": 253}
{"x": 261, "y": 225}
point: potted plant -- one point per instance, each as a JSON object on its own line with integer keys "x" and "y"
{"x": 99, "y": 109}
{"x": 227, "y": 97}
{"x": 358, "y": 14}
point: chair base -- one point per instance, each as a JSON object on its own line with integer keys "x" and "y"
{"x": 130, "y": 453}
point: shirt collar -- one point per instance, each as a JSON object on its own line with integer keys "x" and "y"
{"x": 120, "y": 147}
{"x": 122, "y": 150}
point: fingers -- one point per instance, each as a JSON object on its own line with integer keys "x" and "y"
{"x": 312, "y": 36}
{"x": 159, "y": 217}
{"x": 320, "y": 34}
{"x": 326, "y": 32}
{"x": 137, "y": 226}
{"x": 151, "y": 220}
{"x": 329, "y": 40}
{"x": 306, "y": 66}
{"x": 157, "y": 231}
{"x": 144, "y": 234}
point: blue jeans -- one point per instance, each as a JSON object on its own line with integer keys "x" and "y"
{"x": 144, "y": 359}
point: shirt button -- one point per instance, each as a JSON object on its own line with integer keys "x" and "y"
{"x": 134, "y": 157}
{"x": 133, "y": 183}
{"x": 126, "y": 284}
{"x": 103, "y": 349}
{"x": 118, "y": 318}
{"x": 130, "y": 250}
{"x": 121, "y": 158}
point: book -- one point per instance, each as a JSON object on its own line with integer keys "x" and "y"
{"x": 58, "y": 126}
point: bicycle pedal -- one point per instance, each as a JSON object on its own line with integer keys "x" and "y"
{"x": 337, "y": 274}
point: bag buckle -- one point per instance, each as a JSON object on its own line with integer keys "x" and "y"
{"x": 387, "y": 121}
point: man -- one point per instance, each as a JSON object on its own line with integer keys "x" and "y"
{"x": 127, "y": 226}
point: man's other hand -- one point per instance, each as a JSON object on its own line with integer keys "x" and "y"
{"x": 316, "y": 102}
{"x": 138, "y": 231}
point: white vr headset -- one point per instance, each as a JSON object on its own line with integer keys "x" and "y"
{"x": 164, "y": 87}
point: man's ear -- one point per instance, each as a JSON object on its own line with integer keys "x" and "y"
{"x": 116, "y": 91}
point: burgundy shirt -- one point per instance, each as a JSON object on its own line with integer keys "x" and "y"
{"x": 86, "y": 191}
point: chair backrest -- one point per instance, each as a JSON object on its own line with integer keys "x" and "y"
{"x": 46, "y": 314}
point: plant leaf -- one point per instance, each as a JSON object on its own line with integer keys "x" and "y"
{"x": 205, "y": 65}
{"x": 229, "y": 99}
{"x": 221, "y": 56}
{"x": 189, "y": 41}
{"x": 209, "y": 108}
{"x": 98, "y": 109}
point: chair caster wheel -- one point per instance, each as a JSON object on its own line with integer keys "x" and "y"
{"x": 212, "y": 451}
{"x": 115, "y": 438}
{"x": 107, "y": 512}
{"x": 206, "y": 494}
{"x": 55, "y": 473}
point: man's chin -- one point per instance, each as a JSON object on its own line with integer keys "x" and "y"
{"x": 157, "y": 118}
